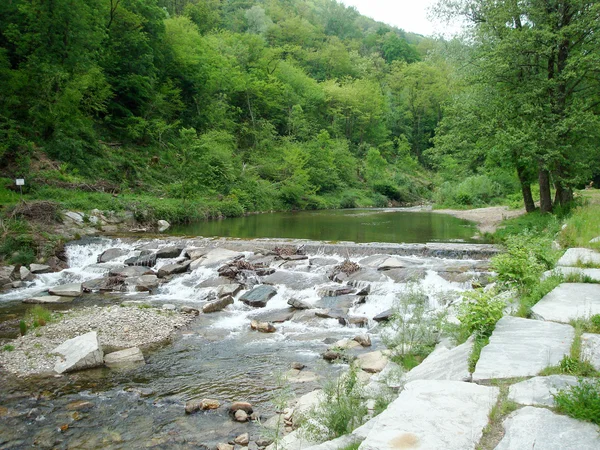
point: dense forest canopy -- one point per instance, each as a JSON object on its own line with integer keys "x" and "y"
{"x": 299, "y": 103}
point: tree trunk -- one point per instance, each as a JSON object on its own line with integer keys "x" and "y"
{"x": 526, "y": 189}
{"x": 545, "y": 195}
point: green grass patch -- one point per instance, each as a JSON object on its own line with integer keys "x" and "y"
{"x": 581, "y": 402}
{"x": 8, "y": 348}
{"x": 582, "y": 227}
{"x": 589, "y": 325}
{"x": 534, "y": 222}
{"x": 573, "y": 364}
{"x": 493, "y": 432}
{"x": 38, "y": 316}
{"x": 478, "y": 345}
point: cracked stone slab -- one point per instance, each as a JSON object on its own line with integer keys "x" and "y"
{"x": 569, "y": 301}
{"x": 538, "y": 391}
{"x": 444, "y": 364}
{"x": 433, "y": 414}
{"x": 539, "y": 428}
{"x": 522, "y": 348}
{"x": 576, "y": 256}
{"x": 590, "y": 349}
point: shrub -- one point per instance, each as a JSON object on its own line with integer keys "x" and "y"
{"x": 581, "y": 401}
{"x": 479, "y": 312}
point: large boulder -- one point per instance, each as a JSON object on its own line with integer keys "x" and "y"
{"x": 214, "y": 258}
{"x": 217, "y": 305}
{"x": 384, "y": 316}
{"x": 144, "y": 283}
{"x": 110, "y": 254}
{"x": 67, "y": 290}
{"x": 38, "y": 269}
{"x": 8, "y": 274}
{"x": 129, "y": 356}
{"x": 227, "y": 290}
{"x": 142, "y": 260}
{"x": 172, "y": 269}
{"x": 25, "y": 274}
{"x": 259, "y": 296}
{"x": 81, "y": 352}
{"x": 169, "y": 252}
{"x": 372, "y": 362}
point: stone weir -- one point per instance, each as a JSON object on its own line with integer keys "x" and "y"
{"x": 351, "y": 249}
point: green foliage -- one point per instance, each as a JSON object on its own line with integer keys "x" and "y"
{"x": 581, "y": 402}
{"x": 536, "y": 292}
{"x": 8, "y": 348}
{"x": 22, "y": 327}
{"x": 478, "y": 344}
{"x": 479, "y": 190}
{"x": 38, "y": 316}
{"x": 341, "y": 410}
{"x": 479, "y": 312}
{"x": 581, "y": 228}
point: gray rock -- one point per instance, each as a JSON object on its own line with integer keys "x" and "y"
{"x": 74, "y": 217}
{"x": 229, "y": 290}
{"x": 129, "y": 356}
{"x": 8, "y": 274}
{"x": 172, "y": 269}
{"x": 142, "y": 260}
{"x": 336, "y": 291}
{"x": 373, "y": 362}
{"x": 169, "y": 252}
{"x": 338, "y": 313}
{"x": 444, "y": 364}
{"x": 128, "y": 272}
{"x": 569, "y": 301}
{"x": 539, "y": 428}
{"x": 595, "y": 240}
{"x": 363, "y": 339}
{"x": 217, "y": 305}
{"x": 337, "y": 444}
{"x": 48, "y": 299}
{"x": 576, "y": 256}
{"x": 81, "y": 352}
{"x": 393, "y": 263}
{"x": 25, "y": 274}
{"x": 275, "y": 316}
{"x": 384, "y": 316}
{"x": 110, "y": 254}
{"x": 67, "y": 290}
{"x": 432, "y": 414}
{"x": 162, "y": 225}
{"x": 259, "y": 296}
{"x": 195, "y": 253}
{"x": 590, "y": 349}
{"x": 538, "y": 391}
{"x": 406, "y": 275}
{"x": 103, "y": 284}
{"x": 214, "y": 258}
{"x": 143, "y": 283}
{"x": 190, "y": 310}
{"x": 38, "y": 269}
{"x": 169, "y": 307}
{"x": 340, "y": 302}
{"x": 366, "y": 275}
{"x": 522, "y": 347}
{"x": 298, "y": 304}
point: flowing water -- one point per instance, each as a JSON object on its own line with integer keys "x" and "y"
{"x": 216, "y": 356}
{"x": 355, "y": 225}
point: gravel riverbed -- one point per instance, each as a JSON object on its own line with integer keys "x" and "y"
{"x": 117, "y": 327}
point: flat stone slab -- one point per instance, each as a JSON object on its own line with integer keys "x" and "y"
{"x": 214, "y": 258}
{"x": 577, "y": 256}
{"x": 569, "y": 301}
{"x": 444, "y": 364}
{"x": 81, "y": 352}
{"x": 49, "y": 299}
{"x": 522, "y": 348}
{"x": 590, "y": 349}
{"x": 66, "y": 290}
{"x": 593, "y": 274}
{"x": 129, "y": 356}
{"x": 40, "y": 269}
{"x": 539, "y": 428}
{"x": 538, "y": 391}
{"x": 259, "y": 296}
{"x": 433, "y": 414}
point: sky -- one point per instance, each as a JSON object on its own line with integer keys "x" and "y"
{"x": 410, "y": 15}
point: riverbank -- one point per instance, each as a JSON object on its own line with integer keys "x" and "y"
{"x": 487, "y": 219}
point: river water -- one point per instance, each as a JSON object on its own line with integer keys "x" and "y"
{"x": 216, "y": 356}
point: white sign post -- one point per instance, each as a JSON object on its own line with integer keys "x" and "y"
{"x": 20, "y": 182}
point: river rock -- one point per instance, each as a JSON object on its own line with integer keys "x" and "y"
{"x": 363, "y": 339}
{"x": 242, "y": 439}
{"x": 263, "y": 327}
{"x": 372, "y": 362}
{"x": 129, "y": 272}
{"x": 244, "y": 406}
{"x": 48, "y": 299}
{"x": 298, "y": 304}
{"x": 539, "y": 391}
{"x": 143, "y": 283}
{"x": 190, "y": 310}
{"x": 334, "y": 313}
{"x": 320, "y": 261}
{"x": 128, "y": 356}
{"x": 332, "y": 355}
{"x": 229, "y": 290}
{"x": 346, "y": 344}
{"x": 67, "y": 290}
{"x": 384, "y": 316}
{"x": 110, "y": 254}
{"x": 80, "y": 405}
{"x": 25, "y": 274}
{"x": 392, "y": 263}
{"x": 569, "y": 301}
{"x": 406, "y": 275}
{"x": 74, "y": 217}
{"x": 366, "y": 275}
{"x": 214, "y": 258}
{"x": 344, "y": 302}
{"x": 259, "y": 296}
{"x": 162, "y": 225}
{"x": 444, "y": 364}
{"x": 523, "y": 347}
{"x": 297, "y": 281}
{"x": 169, "y": 252}
{"x": 217, "y": 305}
{"x": 275, "y": 316}
{"x": 191, "y": 406}
{"x": 81, "y": 352}
{"x": 433, "y": 414}
{"x": 336, "y": 291}
{"x": 576, "y": 256}
{"x": 209, "y": 403}
{"x": 142, "y": 260}
{"x": 590, "y": 349}
{"x": 38, "y": 269}
{"x": 172, "y": 269}
{"x": 539, "y": 428}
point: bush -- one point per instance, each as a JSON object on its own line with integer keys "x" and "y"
{"x": 479, "y": 312}
{"x": 478, "y": 190}
{"x": 581, "y": 401}
{"x": 341, "y": 410}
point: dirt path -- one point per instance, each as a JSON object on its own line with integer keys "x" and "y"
{"x": 487, "y": 219}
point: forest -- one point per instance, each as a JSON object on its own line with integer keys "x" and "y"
{"x": 255, "y": 105}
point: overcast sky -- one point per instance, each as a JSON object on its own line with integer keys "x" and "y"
{"x": 410, "y": 15}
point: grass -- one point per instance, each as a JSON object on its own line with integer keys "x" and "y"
{"x": 478, "y": 345}
{"x": 589, "y": 325}
{"x": 352, "y": 446}
{"x": 581, "y": 402}
{"x": 38, "y": 316}
{"x": 535, "y": 293}
{"x": 8, "y": 348}
{"x": 582, "y": 227}
{"x": 493, "y": 432}
{"x": 573, "y": 364}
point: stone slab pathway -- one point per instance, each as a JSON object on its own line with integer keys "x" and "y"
{"x": 444, "y": 364}
{"x": 569, "y": 301}
{"x": 522, "y": 347}
{"x": 576, "y": 256}
{"x": 538, "y": 391}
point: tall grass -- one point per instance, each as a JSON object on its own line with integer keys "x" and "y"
{"x": 582, "y": 227}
